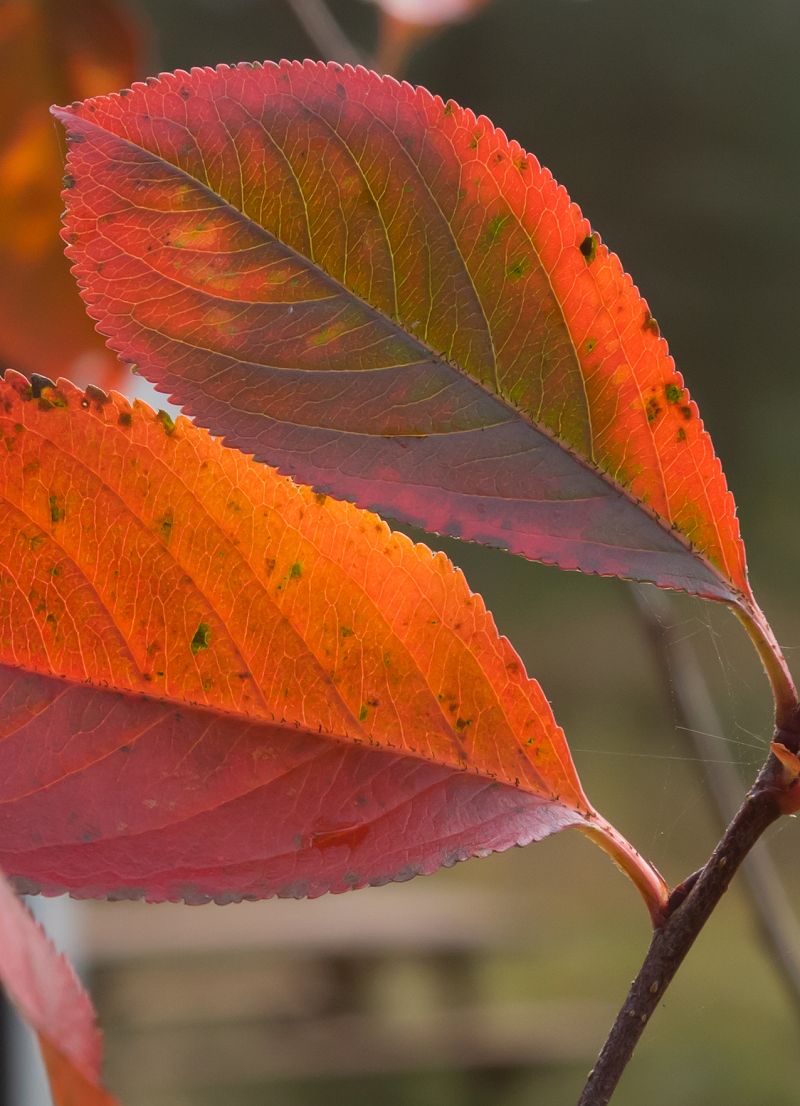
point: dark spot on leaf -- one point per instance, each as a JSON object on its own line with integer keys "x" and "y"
{"x": 673, "y": 393}
{"x": 589, "y": 344}
{"x": 448, "y": 108}
{"x": 681, "y": 435}
{"x": 91, "y": 391}
{"x": 202, "y": 637}
{"x": 69, "y": 180}
{"x": 651, "y": 324}
{"x": 184, "y": 93}
{"x": 588, "y": 247}
{"x": 346, "y": 631}
{"x": 296, "y": 571}
{"x": 363, "y": 712}
{"x": 165, "y": 524}
{"x": 38, "y": 384}
{"x": 320, "y": 497}
{"x": 56, "y": 508}
{"x": 462, "y": 723}
{"x": 686, "y": 411}
{"x": 653, "y": 409}
{"x": 518, "y": 268}
{"x": 125, "y": 418}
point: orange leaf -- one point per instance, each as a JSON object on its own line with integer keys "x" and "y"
{"x": 220, "y": 684}
{"x": 48, "y": 49}
{"x": 45, "y": 991}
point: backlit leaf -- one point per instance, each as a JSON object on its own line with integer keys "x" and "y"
{"x": 216, "y": 683}
{"x": 46, "y": 993}
{"x": 48, "y": 50}
{"x": 380, "y": 294}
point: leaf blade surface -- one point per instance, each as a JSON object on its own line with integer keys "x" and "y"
{"x": 382, "y": 295}
{"x": 217, "y": 684}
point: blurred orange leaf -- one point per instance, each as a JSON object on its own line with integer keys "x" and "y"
{"x": 48, "y": 49}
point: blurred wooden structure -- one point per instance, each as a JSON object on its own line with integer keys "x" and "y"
{"x": 196, "y": 998}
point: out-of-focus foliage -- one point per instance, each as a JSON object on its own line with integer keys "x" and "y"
{"x": 49, "y": 51}
{"x": 406, "y": 24}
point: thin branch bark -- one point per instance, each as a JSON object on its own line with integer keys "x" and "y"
{"x": 325, "y": 32}
{"x": 696, "y": 714}
{"x": 691, "y": 905}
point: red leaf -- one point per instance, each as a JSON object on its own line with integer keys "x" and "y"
{"x": 382, "y": 295}
{"x": 48, "y": 50}
{"x": 220, "y": 685}
{"x": 46, "y": 993}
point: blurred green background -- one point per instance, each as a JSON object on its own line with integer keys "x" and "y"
{"x": 675, "y": 127}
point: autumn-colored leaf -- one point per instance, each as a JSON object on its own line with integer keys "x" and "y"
{"x": 380, "y": 294}
{"x": 46, "y": 993}
{"x": 48, "y": 50}
{"x": 218, "y": 684}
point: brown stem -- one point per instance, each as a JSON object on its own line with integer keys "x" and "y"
{"x": 691, "y": 905}
{"x": 695, "y": 712}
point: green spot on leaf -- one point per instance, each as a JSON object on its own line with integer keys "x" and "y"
{"x": 362, "y": 714}
{"x": 296, "y": 571}
{"x": 56, "y": 509}
{"x": 518, "y": 269}
{"x": 673, "y": 393}
{"x": 495, "y": 227}
{"x": 166, "y": 421}
{"x": 202, "y": 637}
